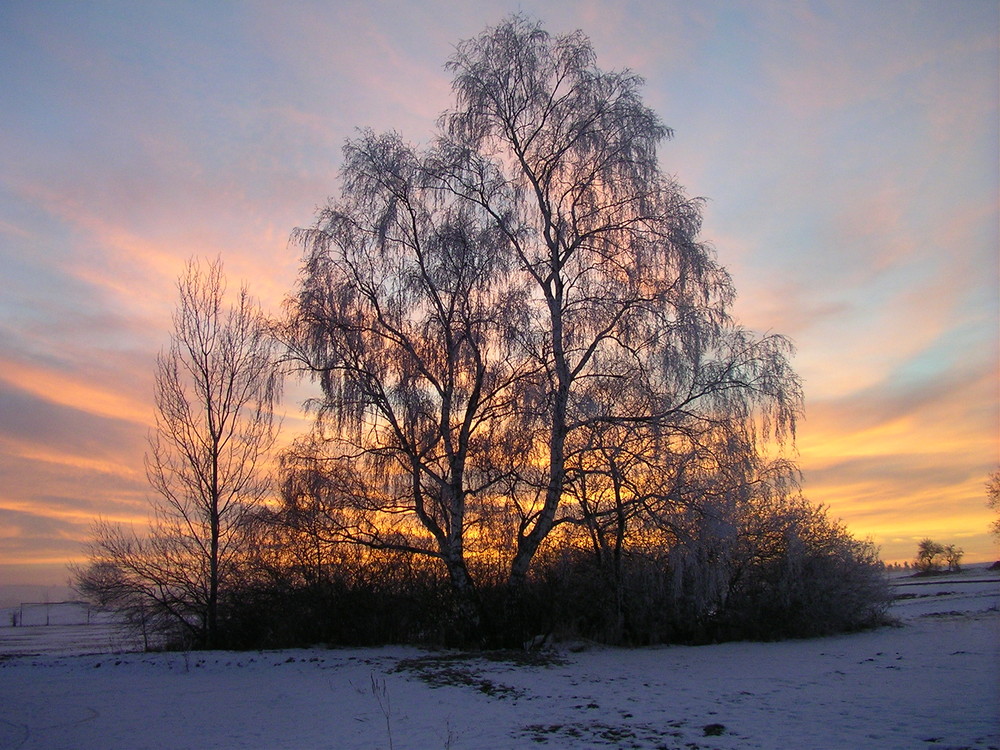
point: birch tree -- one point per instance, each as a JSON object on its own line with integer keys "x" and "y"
{"x": 521, "y": 312}
{"x": 409, "y": 313}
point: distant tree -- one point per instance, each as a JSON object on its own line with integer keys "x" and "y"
{"x": 993, "y": 500}
{"x": 953, "y": 557}
{"x": 930, "y": 556}
{"x": 215, "y": 390}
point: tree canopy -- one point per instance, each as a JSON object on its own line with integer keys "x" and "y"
{"x": 518, "y": 327}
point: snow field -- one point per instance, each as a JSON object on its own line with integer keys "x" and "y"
{"x": 933, "y": 682}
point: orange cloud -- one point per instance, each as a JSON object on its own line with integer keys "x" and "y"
{"x": 69, "y": 390}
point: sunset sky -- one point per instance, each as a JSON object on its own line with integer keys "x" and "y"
{"x": 848, "y": 152}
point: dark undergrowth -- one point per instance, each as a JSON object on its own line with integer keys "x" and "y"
{"x": 648, "y": 601}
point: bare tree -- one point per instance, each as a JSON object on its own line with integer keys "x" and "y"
{"x": 215, "y": 390}
{"x": 953, "y": 556}
{"x": 630, "y": 324}
{"x": 993, "y": 499}
{"x": 409, "y": 315}
{"x": 520, "y": 315}
{"x": 929, "y": 554}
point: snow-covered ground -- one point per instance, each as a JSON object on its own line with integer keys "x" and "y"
{"x": 933, "y": 682}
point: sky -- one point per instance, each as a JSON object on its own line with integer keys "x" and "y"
{"x": 848, "y": 152}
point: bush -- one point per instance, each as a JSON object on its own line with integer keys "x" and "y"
{"x": 750, "y": 570}
{"x": 789, "y": 572}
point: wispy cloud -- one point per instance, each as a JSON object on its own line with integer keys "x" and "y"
{"x": 849, "y": 153}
